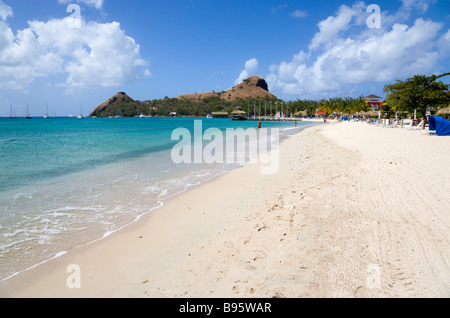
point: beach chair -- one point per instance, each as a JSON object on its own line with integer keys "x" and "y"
{"x": 396, "y": 124}
{"x": 410, "y": 125}
{"x": 419, "y": 126}
{"x": 393, "y": 125}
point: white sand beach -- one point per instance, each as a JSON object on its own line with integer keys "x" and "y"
{"x": 354, "y": 211}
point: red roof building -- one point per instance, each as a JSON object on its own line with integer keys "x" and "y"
{"x": 374, "y": 102}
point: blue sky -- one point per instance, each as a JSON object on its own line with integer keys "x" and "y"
{"x": 152, "y": 49}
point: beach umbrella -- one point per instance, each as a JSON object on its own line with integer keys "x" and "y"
{"x": 361, "y": 113}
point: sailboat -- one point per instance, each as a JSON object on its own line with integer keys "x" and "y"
{"x": 81, "y": 113}
{"x": 46, "y": 114}
{"x": 28, "y": 116}
{"x": 12, "y": 112}
{"x": 118, "y": 113}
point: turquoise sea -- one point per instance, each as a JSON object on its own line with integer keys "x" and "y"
{"x": 66, "y": 182}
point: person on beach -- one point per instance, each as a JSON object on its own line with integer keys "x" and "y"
{"x": 295, "y": 125}
{"x": 259, "y": 125}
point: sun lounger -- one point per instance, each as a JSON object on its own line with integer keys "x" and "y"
{"x": 393, "y": 125}
{"x": 419, "y": 126}
{"x": 410, "y": 125}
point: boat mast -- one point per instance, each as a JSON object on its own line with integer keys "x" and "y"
{"x": 28, "y": 116}
{"x": 259, "y": 109}
{"x": 46, "y": 113}
{"x": 12, "y": 112}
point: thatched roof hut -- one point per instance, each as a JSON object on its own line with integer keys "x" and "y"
{"x": 238, "y": 114}
{"x": 219, "y": 114}
{"x": 444, "y": 112}
{"x": 372, "y": 113}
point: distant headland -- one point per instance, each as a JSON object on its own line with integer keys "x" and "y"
{"x": 252, "y": 89}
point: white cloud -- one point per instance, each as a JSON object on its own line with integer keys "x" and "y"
{"x": 251, "y": 68}
{"x": 421, "y": 5}
{"x": 278, "y": 8}
{"x": 331, "y": 28}
{"x": 345, "y": 53}
{"x": 92, "y": 56}
{"x": 444, "y": 44}
{"x": 93, "y": 3}
{"x": 5, "y": 11}
{"x": 299, "y": 14}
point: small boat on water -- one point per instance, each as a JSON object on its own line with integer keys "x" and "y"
{"x": 28, "y": 116}
{"x": 12, "y": 112}
{"x": 118, "y": 113}
{"x": 46, "y": 114}
{"x": 209, "y": 116}
{"x": 81, "y": 112}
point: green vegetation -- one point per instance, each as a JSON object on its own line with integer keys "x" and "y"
{"x": 419, "y": 92}
{"x": 183, "y": 107}
{"x": 202, "y": 107}
{"x": 336, "y": 105}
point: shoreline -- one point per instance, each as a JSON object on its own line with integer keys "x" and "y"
{"x": 187, "y": 187}
{"x": 312, "y": 230}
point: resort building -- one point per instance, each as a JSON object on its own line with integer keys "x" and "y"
{"x": 374, "y": 101}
